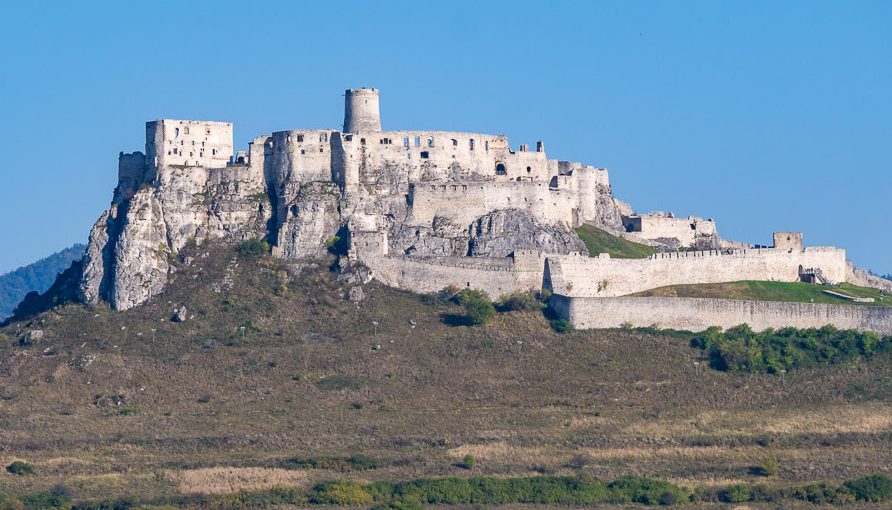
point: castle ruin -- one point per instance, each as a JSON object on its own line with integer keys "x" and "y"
{"x": 421, "y": 209}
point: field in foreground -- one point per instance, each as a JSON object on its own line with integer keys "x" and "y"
{"x": 774, "y": 291}
{"x": 102, "y": 410}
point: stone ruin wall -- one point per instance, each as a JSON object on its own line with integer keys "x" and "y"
{"x": 606, "y": 277}
{"x": 695, "y": 314}
{"x": 686, "y": 230}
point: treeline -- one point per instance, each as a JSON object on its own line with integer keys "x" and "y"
{"x": 740, "y": 349}
{"x": 36, "y": 277}
{"x": 540, "y": 490}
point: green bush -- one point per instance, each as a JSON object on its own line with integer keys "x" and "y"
{"x": 478, "y": 308}
{"x": 768, "y": 467}
{"x": 46, "y": 501}
{"x": 342, "y": 464}
{"x": 342, "y": 493}
{"x": 519, "y": 302}
{"x": 468, "y": 462}
{"x": 20, "y": 468}
{"x": 740, "y": 349}
{"x": 253, "y": 248}
{"x": 735, "y": 494}
{"x": 873, "y": 488}
{"x": 10, "y": 503}
{"x": 561, "y": 325}
{"x": 647, "y": 491}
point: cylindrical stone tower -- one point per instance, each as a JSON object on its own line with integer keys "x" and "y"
{"x": 361, "y": 110}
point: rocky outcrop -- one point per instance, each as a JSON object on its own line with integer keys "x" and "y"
{"x": 97, "y": 259}
{"x": 444, "y": 238}
{"x": 140, "y": 265}
{"x": 860, "y": 277}
{"x": 311, "y": 221}
{"x": 498, "y": 234}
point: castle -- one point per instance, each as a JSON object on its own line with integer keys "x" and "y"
{"x": 423, "y": 210}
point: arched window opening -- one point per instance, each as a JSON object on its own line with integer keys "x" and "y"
{"x": 529, "y": 169}
{"x": 501, "y": 169}
{"x": 471, "y": 143}
{"x": 430, "y": 143}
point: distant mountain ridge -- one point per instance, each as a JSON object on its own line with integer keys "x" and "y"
{"x": 38, "y": 276}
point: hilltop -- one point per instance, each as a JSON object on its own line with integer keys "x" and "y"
{"x": 99, "y": 407}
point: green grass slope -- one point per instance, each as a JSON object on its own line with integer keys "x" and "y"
{"x": 773, "y": 291}
{"x": 598, "y": 241}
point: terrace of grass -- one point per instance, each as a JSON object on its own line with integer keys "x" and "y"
{"x": 797, "y": 292}
{"x": 598, "y": 241}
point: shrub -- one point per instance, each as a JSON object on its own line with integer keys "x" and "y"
{"x": 478, "y": 308}
{"x": 561, "y": 325}
{"x": 46, "y": 500}
{"x": 735, "y": 494}
{"x": 873, "y": 488}
{"x": 10, "y": 503}
{"x": 519, "y": 302}
{"x": 20, "y": 468}
{"x": 647, "y": 491}
{"x": 768, "y": 467}
{"x": 343, "y": 464}
{"x": 342, "y": 493}
{"x": 468, "y": 462}
{"x": 253, "y": 248}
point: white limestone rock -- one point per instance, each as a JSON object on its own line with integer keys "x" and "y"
{"x": 310, "y": 221}
{"x": 96, "y": 261}
{"x": 499, "y": 233}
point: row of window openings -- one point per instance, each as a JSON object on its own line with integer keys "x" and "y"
{"x": 183, "y": 153}
{"x": 300, "y": 138}
{"x": 430, "y": 143}
{"x": 182, "y": 142}
{"x": 207, "y": 131}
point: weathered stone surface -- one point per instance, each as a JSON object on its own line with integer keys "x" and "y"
{"x": 355, "y": 294}
{"x": 97, "y": 259}
{"x": 444, "y": 238}
{"x": 140, "y": 254}
{"x": 180, "y": 315}
{"x": 498, "y": 234}
{"x": 311, "y": 220}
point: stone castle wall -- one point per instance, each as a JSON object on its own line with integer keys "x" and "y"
{"x": 603, "y": 276}
{"x": 698, "y": 314}
{"x": 172, "y": 142}
{"x": 686, "y": 230}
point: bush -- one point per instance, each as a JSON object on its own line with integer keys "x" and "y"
{"x": 20, "y": 468}
{"x": 342, "y": 464}
{"x": 873, "y": 488}
{"x": 468, "y": 462}
{"x": 478, "y": 308}
{"x": 740, "y": 349}
{"x": 647, "y": 491}
{"x": 253, "y": 248}
{"x": 735, "y": 494}
{"x": 342, "y": 493}
{"x": 10, "y": 503}
{"x": 519, "y": 302}
{"x": 768, "y": 467}
{"x": 561, "y": 325}
{"x": 46, "y": 500}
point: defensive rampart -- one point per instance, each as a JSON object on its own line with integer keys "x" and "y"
{"x": 602, "y": 276}
{"x": 698, "y": 314}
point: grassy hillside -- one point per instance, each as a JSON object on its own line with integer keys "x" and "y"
{"x": 36, "y": 277}
{"x": 598, "y": 241}
{"x": 773, "y": 291}
{"x": 101, "y": 409}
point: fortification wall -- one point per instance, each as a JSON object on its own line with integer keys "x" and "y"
{"x": 495, "y": 276}
{"x": 300, "y": 155}
{"x": 464, "y": 202}
{"x": 605, "y": 277}
{"x": 698, "y": 314}
{"x": 188, "y": 143}
{"x": 686, "y": 230}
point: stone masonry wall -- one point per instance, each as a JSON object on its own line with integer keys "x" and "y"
{"x": 698, "y": 314}
{"x": 602, "y": 276}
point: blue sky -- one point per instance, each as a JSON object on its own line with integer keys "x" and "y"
{"x": 763, "y": 115}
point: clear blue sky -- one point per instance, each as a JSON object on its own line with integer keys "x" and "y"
{"x": 763, "y": 115}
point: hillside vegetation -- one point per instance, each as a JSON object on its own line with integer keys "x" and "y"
{"x": 36, "y": 277}
{"x": 276, "y": 391}
{"x": 773, "y": 291}
{"x": 598, "y": 241}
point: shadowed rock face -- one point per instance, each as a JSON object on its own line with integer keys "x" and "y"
{"x": 499, "y": 233}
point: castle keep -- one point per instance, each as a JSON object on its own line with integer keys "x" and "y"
{"x": 422, "y": 210}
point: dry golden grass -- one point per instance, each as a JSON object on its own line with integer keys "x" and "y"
{"x": 860, "y": 418}
{"x": 223, "y": 480}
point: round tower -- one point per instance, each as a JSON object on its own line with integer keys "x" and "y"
{"x": 361, "y": 110}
